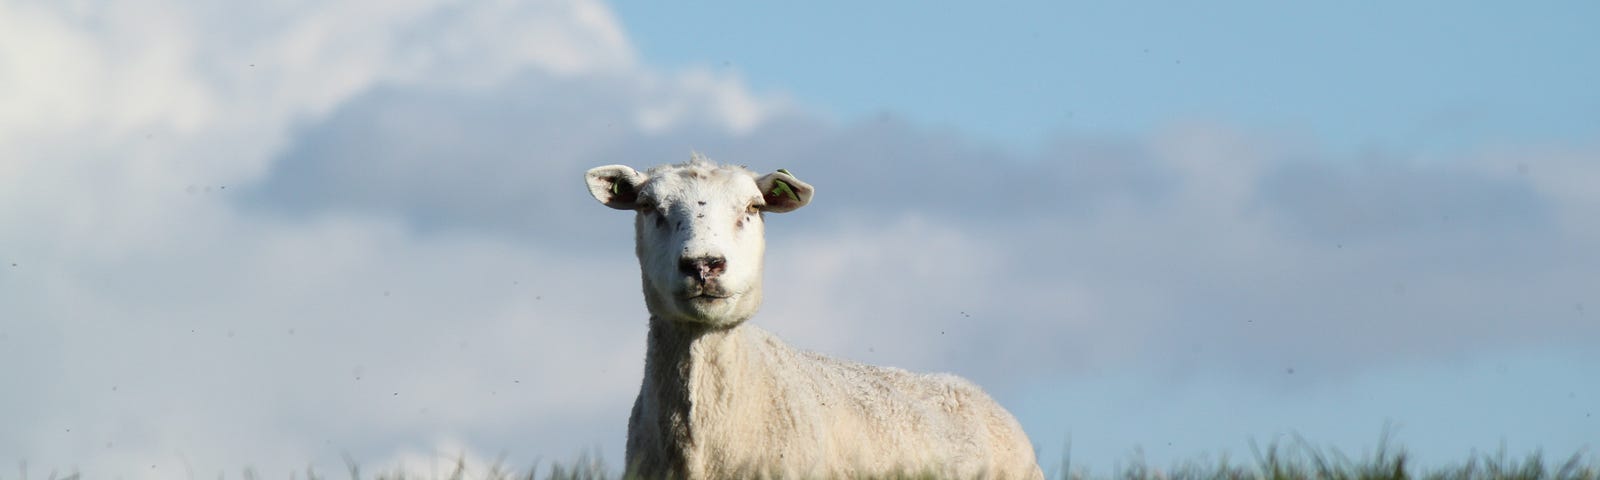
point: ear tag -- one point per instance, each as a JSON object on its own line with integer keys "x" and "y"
{"x": 780, "y": 187}
{"x": 616, "y": 188}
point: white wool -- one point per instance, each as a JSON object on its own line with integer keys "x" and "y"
{"x": 725, "y": 399}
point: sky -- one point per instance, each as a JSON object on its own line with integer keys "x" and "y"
{"x": 273, "y": 235}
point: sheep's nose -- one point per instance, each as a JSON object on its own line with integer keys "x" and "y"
{"x": 703, "y": 268}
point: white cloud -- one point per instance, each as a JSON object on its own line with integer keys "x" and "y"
{"x": 333, "y": 331}
{"x": 57, "y": 74}
{"x": 703, "y": 98}
{"x": 165, "y": 329}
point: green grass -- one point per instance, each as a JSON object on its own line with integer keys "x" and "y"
{"x": 1279, "y": 461}
{"x": 1300, "y": 460}
{"x": 1294, "y": 460}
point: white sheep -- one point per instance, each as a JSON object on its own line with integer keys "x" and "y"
{"x": 725, "y": 399}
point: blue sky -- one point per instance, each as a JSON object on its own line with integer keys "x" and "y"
{"x": 1413, "y": 76}
{"x": 358, "y": 227}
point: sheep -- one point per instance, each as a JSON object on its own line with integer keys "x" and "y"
{"x": 724, "y": 399}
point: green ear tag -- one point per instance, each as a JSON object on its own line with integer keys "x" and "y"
{"x": 780, "y": 187}
{"x": 616, "y": 188}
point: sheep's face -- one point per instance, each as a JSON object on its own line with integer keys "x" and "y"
{"x": 699, "y": 234}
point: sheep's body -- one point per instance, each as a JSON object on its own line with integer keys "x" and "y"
{"x": 723, "y": 399}
{"x": 738, "y": 403}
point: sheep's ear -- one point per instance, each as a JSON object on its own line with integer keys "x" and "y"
{"x": 783, "y": 192}
{"x": 617, "y": 186}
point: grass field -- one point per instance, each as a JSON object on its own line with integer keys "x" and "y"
{"x": 1272, "y": 463}
{"x": 1292, "y": 460}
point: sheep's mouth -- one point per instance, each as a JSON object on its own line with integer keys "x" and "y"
{"x": 706, "y": 294}
{"x": 707, "y": 297}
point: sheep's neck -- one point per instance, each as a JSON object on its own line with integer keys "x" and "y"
{"x": 683, "y": 365}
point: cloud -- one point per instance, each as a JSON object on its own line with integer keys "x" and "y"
{"x": 163, "y": 329}
{"x": 519, "y": 147}
{"x": 266, "y": 237}
{"x": 1200, "y": 246}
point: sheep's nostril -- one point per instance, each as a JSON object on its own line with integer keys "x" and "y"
{"x": 702, "y": 268}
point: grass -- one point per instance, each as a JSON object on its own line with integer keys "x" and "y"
{"x": 1300, "y": 460}
{"x": 1291, "y": 461}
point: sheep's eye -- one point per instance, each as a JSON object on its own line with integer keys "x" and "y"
{"x": 654, "y": 211}
{"x": 752, "y": 209}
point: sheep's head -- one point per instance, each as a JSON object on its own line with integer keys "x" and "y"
{"x": 699, "y": 233}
